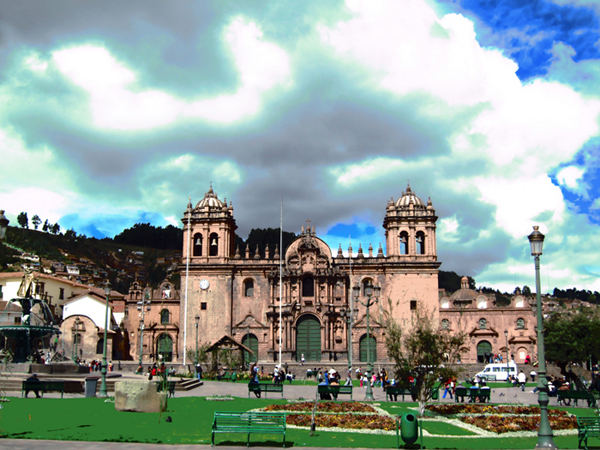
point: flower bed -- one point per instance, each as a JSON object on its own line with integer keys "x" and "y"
{"x": 348, "y": 421}
{"x": 505, "y": 418}
{"x": 322, "y": 407}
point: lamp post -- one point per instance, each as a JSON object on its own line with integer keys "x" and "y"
{"x": 349, "y": 315}
{"x": 507, "y": 357}
{"x": 143, "y": 306}
{"x": 103, "y": 393}
{"x": 3, "y": 225}
{"x": 545, "y": 439}
{"x": 197, "y": 320}
{"x": 76, "y": 339}
{"x": 372, "y": 293}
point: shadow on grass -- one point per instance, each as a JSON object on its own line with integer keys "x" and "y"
{"x": 257, "y": 443}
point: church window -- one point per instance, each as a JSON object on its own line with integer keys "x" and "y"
{"x": 308, "y": 287}
{"x": 214, "y": 244}
{"x": 198, "y": 244}
{"x": 164, "y": 316}
{"x": 420, "y": 240}
{"x": 249, "y": 288}
{"x": 413, "y": 305}
{"x": 445, "y": 324}
{"x": 61, "y": 294}
{"x": 482, "y": 324}
{"x": 203, "y": 306}
{"x": 367, "y": 287}
{"x": 404, "y": 243}
{"x": 520, "y": 324}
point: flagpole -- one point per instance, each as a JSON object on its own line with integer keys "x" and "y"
{"x": 280, "y": 276}
{"x": 187, "y": 272}
{"x": 350, "y": 316}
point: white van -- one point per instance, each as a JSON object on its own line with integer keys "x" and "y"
{"x": 498, "y": 372}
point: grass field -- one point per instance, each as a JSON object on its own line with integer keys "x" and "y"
{"x": 93, "y": 419}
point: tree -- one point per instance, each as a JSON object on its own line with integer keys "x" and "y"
{"x": 36, "y": 221}
{"x": 526, "y": 291}
{"x": 572, "y": 339}
{"x": 23, "y": 220}
{"x": 46, "y": 226}
{"x": 55, "y": 228}
{"x": 420, "y": 353}
{"x": 201, "y": 356}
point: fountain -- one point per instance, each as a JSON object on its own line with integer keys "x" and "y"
{"x": 36, "y": 325}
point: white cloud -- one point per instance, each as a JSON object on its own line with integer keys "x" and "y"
{"x": 570, "y": 176}
{"x": 117, "y": 103}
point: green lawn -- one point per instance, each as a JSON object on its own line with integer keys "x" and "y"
{"x": 93, "y": 419}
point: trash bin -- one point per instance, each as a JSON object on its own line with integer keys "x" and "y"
{"x": 435, "y": 394}
{"x": 409, "y": 428}
{"x": 90, "y": 386}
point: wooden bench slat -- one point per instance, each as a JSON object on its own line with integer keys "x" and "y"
{"x": 265, "y": 387}
{"x": 248, "y": 422}
{"x": 43, "y": 386}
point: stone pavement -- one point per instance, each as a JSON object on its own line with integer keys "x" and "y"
{"x": 210, "y": 388}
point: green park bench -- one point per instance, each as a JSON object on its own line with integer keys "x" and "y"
{"x": 258, "y": 388}
{"x": 587, "y": 427}
{"x": 483, "y": 394}
{"x": 395, "y": 391}
{"x": 334, "y": 390}
{"x": 247, "y": 423}
{"x": 43, "y": 386}
{"x": 561, "y": 396}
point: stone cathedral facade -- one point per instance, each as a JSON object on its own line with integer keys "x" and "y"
{"x": 232, "y": 293}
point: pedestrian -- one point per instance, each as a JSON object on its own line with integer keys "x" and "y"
{"x": 522, "y": 379}
{"x": 302, "y": 359}
{"x": 532, "y": 374}
{"x": 199, "y": 370}
{"x": 449, "y": 385}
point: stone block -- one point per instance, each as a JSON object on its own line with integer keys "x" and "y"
{"x": 139, "y": 396}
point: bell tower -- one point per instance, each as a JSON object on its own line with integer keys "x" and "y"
{"x": 211, "y": 228}
{"x": 410, "y": 228}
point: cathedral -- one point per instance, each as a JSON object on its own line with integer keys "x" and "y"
{"x": 317, "y": 302}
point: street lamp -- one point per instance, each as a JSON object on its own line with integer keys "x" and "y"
{"x": 545, "y": 439}
{"x": 507, "y": 357}
{"x": 75, "y": 339}
{"x": 3, "y": 225}
{"x": 143, "y": 306}
{"x": 197, "y": 319}
{"x": 372, "y": 293}
{"x": 349, "y": 316}
{"x": 103, "y": 393}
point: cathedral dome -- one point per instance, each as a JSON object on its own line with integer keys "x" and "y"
{"x": 211, "y": 200}
{"x": 408, "y": 197}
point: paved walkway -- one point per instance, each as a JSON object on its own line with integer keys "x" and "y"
{"x": 210, "y": 388}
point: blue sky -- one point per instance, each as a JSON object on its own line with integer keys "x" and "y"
{"x": 114, "y": 113}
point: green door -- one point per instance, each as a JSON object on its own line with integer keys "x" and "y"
{"x": 308, "y": 339}
{"x": 372, "y": 350}
{"x": 164, "y": 347}
{"x": 484, "y": 348}
{"x": 250, "y": 341}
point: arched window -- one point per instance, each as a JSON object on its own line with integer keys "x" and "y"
{"x": 367, "y": 286}
{"x": 482, "y": 324}
{"x": 308, "y": 287}
{"x": 445, "y": 324}
{"x": 100, "y": 346}
{"x": 420, "y": 241}
{"x": 249, "y": 288}
{"x": 198, "y": 244}
{"x": 164, "y": 316}
{"x": 214, "y": 244}
{"x": 520, "y": 324}
{"x": 404, "y": 243}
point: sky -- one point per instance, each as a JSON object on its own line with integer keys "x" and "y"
{"x": 114, "y": 113}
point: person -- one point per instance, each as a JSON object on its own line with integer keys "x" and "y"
{"x": 532, "y": 374}
{"x": 139, "y": 370}
{"x": 35, "y": 381}
{"x": 449, "y": 385}
{"x": 527, "y": 359}
{"x": 522, "y": 379}
{"x": 254, "y": 378}
{"x": 276, "y": 373}
{"x": 302, "y": 359}
{"x": 172, "y": 371}
{"x": 221, "y": 374}
{"x": 348, "y": 378}
{"x": 325, "y": 382}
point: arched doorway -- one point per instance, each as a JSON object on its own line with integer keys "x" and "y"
{"x": 372, "y": 348}
{"x": 308, "y": 339}
{"x": 484, "y": 349}
{"x": 164, "y": 347}
{"x": 250, "y": 341}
